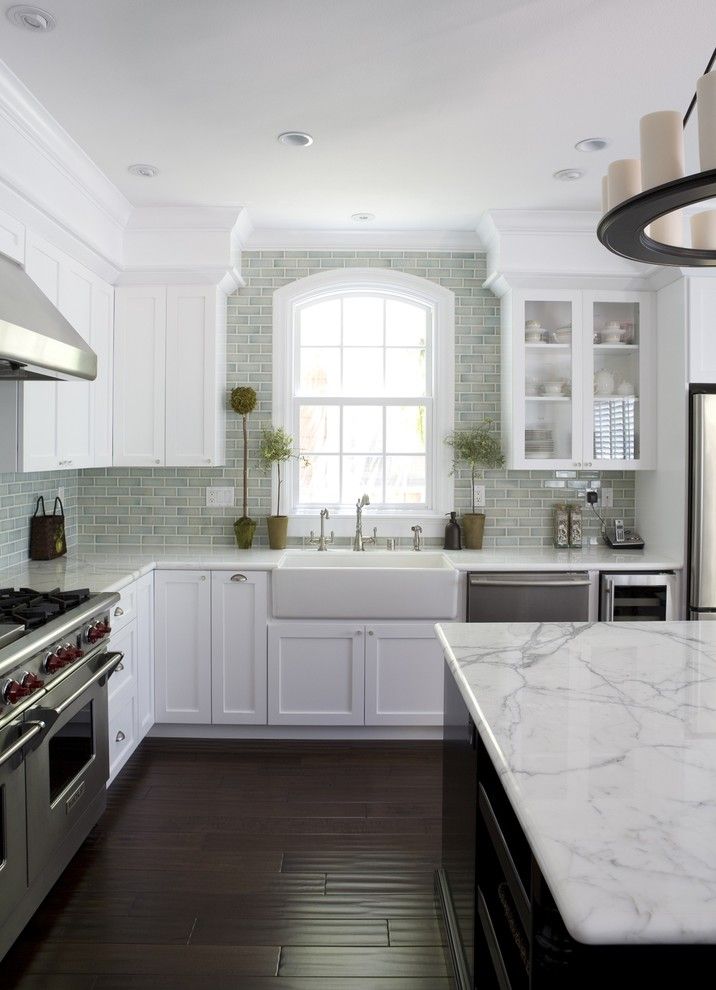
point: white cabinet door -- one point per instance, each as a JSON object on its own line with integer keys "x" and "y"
{"x": 541, "y": 368}
{"x": 182, "y": 612}
{"x": 238, "y": 646}
{"x": 191, "y": 386}
{"x": 403, "y": 675}
{"x": 619, "y": 381}
{"x": 124, "y": 641}
{"x": 38, "y": 445}
{"x": 315, "y": 673}
{"x": 144, "y": 598}
{"x": 122, "y": 729}
{"x": 102, "y": 342}
{"x": 74, "y": 399}
{"x": 139, "y": 375}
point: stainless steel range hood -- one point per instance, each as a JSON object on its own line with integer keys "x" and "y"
{"x": 36, "y": 341}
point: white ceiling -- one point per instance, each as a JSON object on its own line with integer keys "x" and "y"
{"x": 424, "y": 112}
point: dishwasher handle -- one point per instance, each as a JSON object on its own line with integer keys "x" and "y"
{"x": 530, "y": 581}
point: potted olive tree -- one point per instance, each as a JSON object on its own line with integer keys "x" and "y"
{"x": 243, "y": 402}
{"x": 276, "y": 448}
{"x": 478, "y": 447}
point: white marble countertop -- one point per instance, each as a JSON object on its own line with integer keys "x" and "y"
{"x": 111, "y": 568}
{"x": 605, "y": 739}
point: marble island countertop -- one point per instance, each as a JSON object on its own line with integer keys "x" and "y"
{"x": 110, "y": 568}
{"x": 604, "y": 736}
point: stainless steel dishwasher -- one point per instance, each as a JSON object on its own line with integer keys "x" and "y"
{"x": 528, "y": 597}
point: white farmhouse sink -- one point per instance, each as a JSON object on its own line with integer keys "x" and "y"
{"x": 370, "y": 585}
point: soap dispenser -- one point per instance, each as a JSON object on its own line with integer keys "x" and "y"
{"x": 453, "y": 535}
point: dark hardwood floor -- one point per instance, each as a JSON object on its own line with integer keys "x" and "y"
{"x": 272, "y": 866}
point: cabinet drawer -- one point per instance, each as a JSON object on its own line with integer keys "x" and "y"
{"x": 124, "y": 677}
{"x": 122, "y": 730}
{"x": 125, "y": 611}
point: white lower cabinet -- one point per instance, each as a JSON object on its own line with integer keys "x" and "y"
{"x": 131, "y": 687}
{"x": 403, "y": 675}
{"x": 238, "y": 647}
{"x": 182, "y": 644}
{"x": 316, "y": 673}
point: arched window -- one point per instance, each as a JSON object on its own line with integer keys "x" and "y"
{"x": 364, "y": 379}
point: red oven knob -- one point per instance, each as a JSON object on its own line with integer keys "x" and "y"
{"x": 32, "y": 682}
{"x": 95, "y": 633}
{"x": 52, "y": 663}
{"x": 13, "y": 692}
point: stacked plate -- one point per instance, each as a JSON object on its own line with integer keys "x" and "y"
{"x": 539, "y": 443}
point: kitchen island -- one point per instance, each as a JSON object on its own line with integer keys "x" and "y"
{"x": 580, "y": 774}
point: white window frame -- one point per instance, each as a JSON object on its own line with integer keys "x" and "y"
{"x": 441, "y": 303}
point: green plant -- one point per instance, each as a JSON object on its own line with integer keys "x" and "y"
{"x": 243, "y": 401}
{"x": 478, "y": 447}
{"x": 276, "y": 448}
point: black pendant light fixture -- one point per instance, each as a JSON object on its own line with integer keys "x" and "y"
{"x": 642, "y": 198}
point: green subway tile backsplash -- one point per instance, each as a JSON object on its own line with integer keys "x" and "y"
{"x": 164, "y": 507}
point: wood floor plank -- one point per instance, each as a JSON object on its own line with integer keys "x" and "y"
{"x": 363, "y": 962}
{"x": 270, "y": 983}
{"x": 216, "y": 929}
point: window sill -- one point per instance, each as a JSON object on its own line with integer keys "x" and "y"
{"x": 388, "y": 523}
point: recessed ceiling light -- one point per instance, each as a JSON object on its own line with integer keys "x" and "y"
{"x": 295, "y": 139}
{"x": 145, "y": 171}
{"x": 31, "y": 18}
{"x": 591, "y": 144}
{"x": 363, "y": 217}
{"x": 568, "y": 174}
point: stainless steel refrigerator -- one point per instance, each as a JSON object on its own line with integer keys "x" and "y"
{"x": 702, "y": 503}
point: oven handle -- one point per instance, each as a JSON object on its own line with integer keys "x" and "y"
{"x": 34, "y": 729}
{"x": 104, "y": 671}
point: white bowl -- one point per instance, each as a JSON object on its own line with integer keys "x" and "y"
{"x": 553, "y": 388}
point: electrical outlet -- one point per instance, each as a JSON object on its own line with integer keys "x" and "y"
{"x": 219, "y": 497}
{"x": 607, "y": 498}
{"x": 479, "y": 496}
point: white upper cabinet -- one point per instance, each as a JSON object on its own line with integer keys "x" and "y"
{"x": 64, "y": 425}
{"x": 578, "y": 381}
{"x": 169, "y": 376}
{"x": 139, "y": 375}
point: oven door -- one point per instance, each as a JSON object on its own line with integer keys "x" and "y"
{"x": 13, "y": 851}
{"x": 69, "y": 768}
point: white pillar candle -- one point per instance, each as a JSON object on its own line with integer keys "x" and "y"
{"x": 624, "y": 178}
{"x": 703, "y": 230}
{"x": 605, "y": 194}
{"x": 706, "y": 110}
{"x": 662, "y": 159}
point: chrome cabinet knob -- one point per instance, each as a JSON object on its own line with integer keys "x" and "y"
{"x": 120, "y": 666}
{"x": 119, "y": 611}
{"x": 120, "y": 737}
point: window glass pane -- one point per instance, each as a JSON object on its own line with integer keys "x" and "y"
{"x": 321, "y": 323}
{"x": 405, "y": 429}
{"x": 319, "y": 480}
{"x": 362, "y": 321}
{"x": 405, "y": 371}
{"x": 363, "y": 429}
{"x": 320, "y": 429}
{"x": 362, "y": 474}
{"x": 320, "y": 370}
{"x": 405, "y": 480}
{"x": 362, "y": 371}
{"x": 405, "y": 324}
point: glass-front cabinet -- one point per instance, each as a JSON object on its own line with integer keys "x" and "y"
{"x": 578, "y": 379}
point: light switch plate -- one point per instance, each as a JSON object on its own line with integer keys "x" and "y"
{"x": 220, "y": 497}
{"x": 479, "y": 495}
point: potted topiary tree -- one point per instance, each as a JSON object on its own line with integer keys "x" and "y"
{"x": 243, "y": 402}
{"x": 477, "y": 447}
{"x": 276, "y": 448}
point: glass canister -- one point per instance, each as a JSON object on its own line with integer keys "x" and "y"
{"x": 575, "y": 526}
{"x": 561, "y": 525}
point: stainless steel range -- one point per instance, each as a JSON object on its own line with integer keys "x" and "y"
{"x": 54, "y": 759}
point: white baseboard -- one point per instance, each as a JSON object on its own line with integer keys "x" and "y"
{"x": 385, "y": 732}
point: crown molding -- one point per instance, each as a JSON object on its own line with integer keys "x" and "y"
{"x": 292, "y": 239}
{"x": 45, "y": 166}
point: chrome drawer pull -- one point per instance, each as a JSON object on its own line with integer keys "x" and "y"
{"x": 120, "y": 666}
{"x": 239, "y": 577}
{"x": 120, "y": 737}
{"x": 119, "y": 611}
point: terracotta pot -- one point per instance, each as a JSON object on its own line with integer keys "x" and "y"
{"x": 473, "y": 527}
{"x": 244, "y": 530}
{"x": 278, "y": 531}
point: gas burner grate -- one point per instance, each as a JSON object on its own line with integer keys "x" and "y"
{"x": 34, "y": 608}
